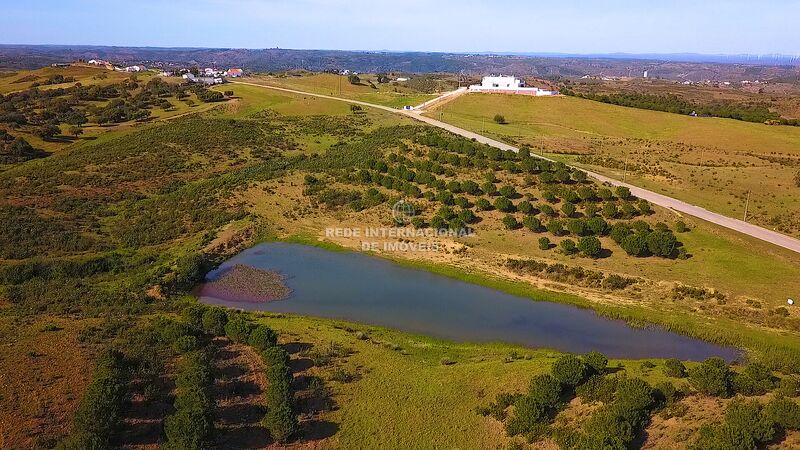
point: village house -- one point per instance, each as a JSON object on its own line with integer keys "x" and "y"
{"x": 234, "y": 73}
{"x": 508, "y": 85}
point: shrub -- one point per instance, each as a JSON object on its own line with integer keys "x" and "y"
{"x": 567, "y": 246}
{"x": 185, "y": 344}
{"x": 783, "y": 413}
{"x": 680, "y": 226}
{"x": 569, "y": 370}
{"x": 510, "y": 222}
{"x": 214, "y": 320}
{"x": 193, "y": 315}
{"x": 482, "y": 204}
{"x": 674, "y": 368}
{"x": 743, "y": 427}
{"x": 238, "y": 328}
{"x": 712, "y": 377}
{"x": 192, "y": 425}
{"x": 635, "y": 244}
{"x": 262, "y": 337}
{"x": 590, "y": 246}
{"x": 532, "y": 223}
{"x": 527, "y": 413}
{"x": 623, "y": 192}
{"x": 499, "y": 119}
{"x": 597, "y": 388}
{"x": 789, "y": 386}
{"x": 596, "y": 361}
{"x": 661, "y": 243}
{"x": 525, "y": 207}
{"x": 503, "y": 204}
{"x": 545, "y": 390}
{"x": 280, "y": 420}
{"x": 755, "y": 379}
{"x": 568, "y": 209}
{"x": 555, "y": 227}
{"x": 544, "y": 243}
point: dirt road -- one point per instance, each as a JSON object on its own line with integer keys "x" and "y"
{"x": 755, "y": 231}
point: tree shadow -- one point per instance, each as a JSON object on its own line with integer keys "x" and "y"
{"x": 296, "y": 347}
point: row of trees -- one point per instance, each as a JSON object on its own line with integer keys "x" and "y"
{"x": 192, "y": 424}
{"x": 100, "y": 410}
{"x": 757, "y": 112}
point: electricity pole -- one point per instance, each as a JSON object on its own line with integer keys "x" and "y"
{"x": 746, "y": 204}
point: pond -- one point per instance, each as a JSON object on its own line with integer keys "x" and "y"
{"x": 370, "y": 290}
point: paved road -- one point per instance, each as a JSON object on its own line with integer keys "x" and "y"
{"x": 755, "y": 231}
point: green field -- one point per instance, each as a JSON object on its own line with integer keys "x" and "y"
{"x": 706, "y": 161}
{"x": 392, "y": 95}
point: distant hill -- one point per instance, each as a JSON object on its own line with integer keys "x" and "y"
{"x": 544, "y": 65}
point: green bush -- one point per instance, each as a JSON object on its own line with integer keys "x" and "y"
{"x": 214, "y": 320}
{"x": 784, "y": 413}
{"x": 544, "y": 243}
{"x": 674, "y": 368}
{"x": 569, "y": 370}
{"x": 712, "y": 377}
{"x": 590, "y": 246}
{"x": 280, "y": 420}
{"x": 744, "y": 427}
{"x": 596, "y": 361}
{"x": 238, "y": 328}
{"x": 545, "y": 390}
{"x": 262, "y": 337}
{"x": 597, "y": 388}
{"x": 789, "y": 386}
{"x": 192, "y": 424}
{"x": 755, "y": 379}
{"x": 185, "y": 344}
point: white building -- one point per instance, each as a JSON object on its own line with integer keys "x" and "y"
{"x": 508, "y": 85}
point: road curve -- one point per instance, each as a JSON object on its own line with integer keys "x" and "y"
{"x": 755, "y": 231}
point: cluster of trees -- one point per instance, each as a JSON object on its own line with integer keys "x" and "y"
{"x": 47, "y": 110}
{"x": 749, "y": 425}
{"x": 16, "y": 149}
{"x": 714, "y": 377}
{"x": 53, "y": 79}
{"x": 637, "y": 239}
{"x": 672, "y": 103}
{"x": 626, "y": 409}
{"x": 100, "y": 410}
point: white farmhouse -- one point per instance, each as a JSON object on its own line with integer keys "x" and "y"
{"x": 508, "y": 85}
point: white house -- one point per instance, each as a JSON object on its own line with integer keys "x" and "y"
{"x": 508, "y": 85}
{"x": 234, "y": 73}
{"x": 135, "y": 69}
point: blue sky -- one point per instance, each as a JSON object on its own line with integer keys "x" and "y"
{"x": 577, "y": 26}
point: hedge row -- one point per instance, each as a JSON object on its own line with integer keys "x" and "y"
{"x": 100, "y": 410}
{"x": 192, "y": 424}
{"x": 280, "y": 420}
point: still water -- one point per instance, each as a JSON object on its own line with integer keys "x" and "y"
{"x": 370, "y": 290}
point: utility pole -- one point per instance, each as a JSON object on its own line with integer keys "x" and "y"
{"x": 746, "y": 204}
{"x": 625, "y": 169}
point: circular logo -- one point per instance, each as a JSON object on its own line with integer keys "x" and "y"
{"x": 402, "y": 212}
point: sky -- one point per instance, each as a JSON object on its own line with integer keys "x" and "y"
{"x": 568, "y": 26}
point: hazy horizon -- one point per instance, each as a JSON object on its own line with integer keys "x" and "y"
{"x": 583, "y": 27}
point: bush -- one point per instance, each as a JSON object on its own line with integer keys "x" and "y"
{"x": 262, "y": 337}
{"x": 185, "y": 344}
{"x": 590, "y": 246}
{"x": 545, "y": 390}
{"x": 238, "y": 328}
{"x": 783, "y": 413}
{"x": 503, "y": 204}
{"x": 193, "y": 315}
{"x": 680, "y": 226}
{"x": 567, "y": 246}
{"x": 280, "y": 420}
{"x": 744, "y": 427}
{"x": 510, "y": 222}
{"x": 214, "y": 321}
{"x": 527, "y": 413}
{"x": 597, "y": 388}
{"x": 544, "y": 243}
{"x": 789, "y": 386}
{"x": 569, "y": 370}
{"x": 755, "y": 379}
{"x": 674, "y": 368}
{"x": 532, "y": 223}
{"x": 712, "y": 377}
{"x": 596, "y": 361}
{"x": 499, "y": 119}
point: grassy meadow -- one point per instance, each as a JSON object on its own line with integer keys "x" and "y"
{"x": 387, "y": 94}
{"x": 707, "y": 161}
